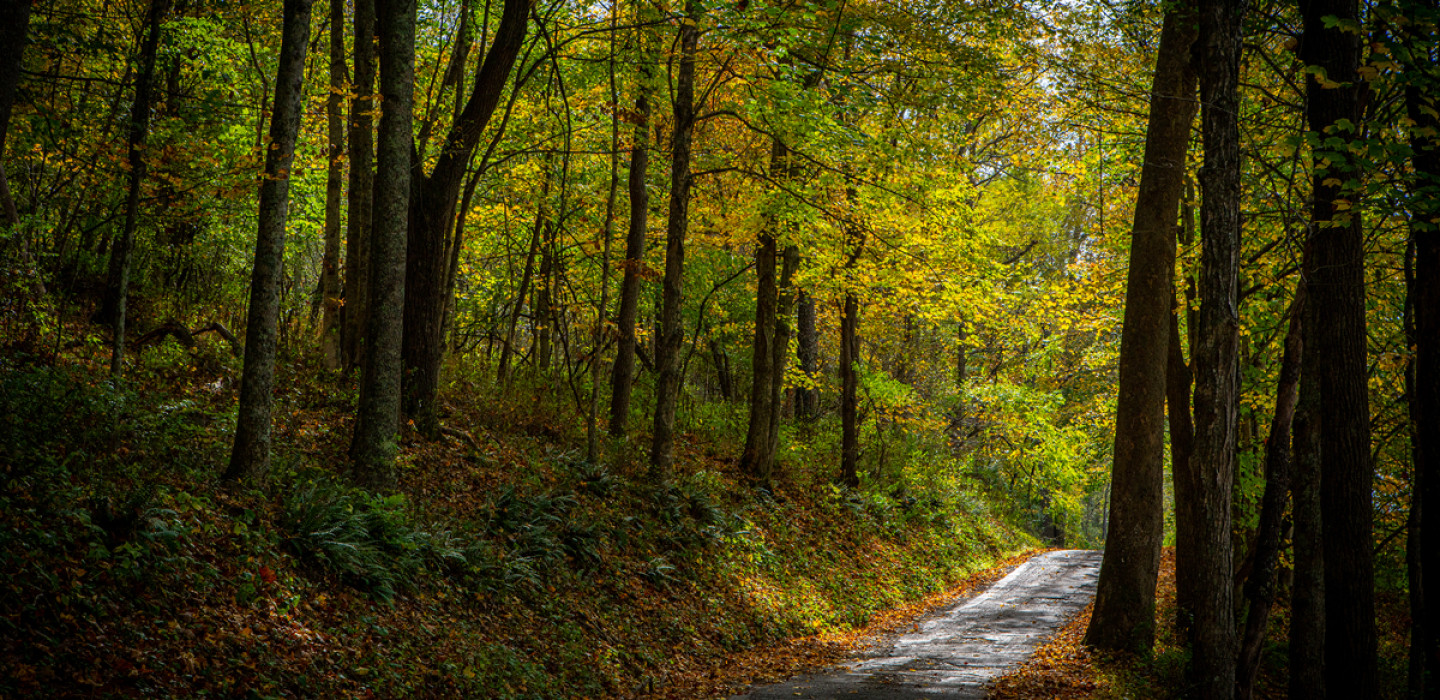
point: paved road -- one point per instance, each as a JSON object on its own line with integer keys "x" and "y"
{"x": 956, "y": 651}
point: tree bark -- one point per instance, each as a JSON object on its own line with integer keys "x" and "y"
{"x": 1307, "y": 601}
{"x": 250, "y": 455}
{"x": 807, "y": 351}
{"x": 622, "y": 375}
{"x": 361, "y": 196}
{"x": 1178, "y": 397}
{"x": 1216, "y": 355}
{"x": 849, "y": 386}
{"x": 1260, "y": 587}
{"x": 433, "y": 201}
{"x": 1338, "y": 293}
{"x": 672, "y": 333}
{"x": 377, "y": 423}
{"x": 113, "y": 307}
{"x": 757, "y": 434}
{"x": 507, "y": 351}
{"x": 330, "y": 289}
{"x": 602, "y": 311}
{"x": 785, "y": 308}
{"x": 1124, "y": 615}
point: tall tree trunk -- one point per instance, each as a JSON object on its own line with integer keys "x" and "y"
{"x": 849, "y": 386}
{"x": 1423, "y": 294}
{"x": 541, "y": 313}
{"x": 807, "y": 351}
{"x": 330, "y": 289}
{"x": 672, "y": 333}
{"x": 1307, "y": 601}
{"x": 250, "y": 455}
{"x": 377, "y": 423}
{"x": 1124, "y": 615}
{"x": 1260, "y": 587}
{"x": 435, "y": 196}
{"x": 1178, "y": 381}
{"x": 1338, "y": 293}
{"x": 362, "y": 189}
{"x": 622, "y": 375}
{"x": 784, "y": 310}
{"x": 113, "y": 307}
{"x": 757, "y": 435}
{"x": 1216, "y": 355}
{"x": 14, "y": 31}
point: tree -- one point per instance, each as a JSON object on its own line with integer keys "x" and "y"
{"x": 1332, "y": 47}
{"x": 250, "y": 455}
{"x": 361, "y": 195}
{"x": 427, "y": 271}
{"x": 671, "y": 337}
{"x": 377, "y": 421}
{"x": 117, "y": 284}
{"x": 1216, "y": 354}
{"x": 329, "y": 290}
{"x": 14, "y": 28}
{"x": 622, "y": 375}
{"x": 1124, "y": 615}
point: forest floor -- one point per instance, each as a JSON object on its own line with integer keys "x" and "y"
{"x": 506, "y": 565}
{"x": 956, "y": 652}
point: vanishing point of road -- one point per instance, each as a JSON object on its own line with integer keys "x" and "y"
{"x": 955, "y": 652}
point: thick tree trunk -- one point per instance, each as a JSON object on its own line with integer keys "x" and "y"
{"x": 849, "y": 386}
{"x": 1307, "y": 601}
{"x": 807, "y": 351}
{"x": 377, "y": 422}
{"x": 432, "y": 218}
{"x": 672, "y": 334}
{"x": 250, "y": 456}
{"x": 330, "y": 289}
{"x": 1338, "y": 293}
{"x": 362, "y": 189}
{"x": 113, "y": 306}
{"x": 1423, "y": 294}
{"x": 1260, "y": 587}
{"x": 622, "y": 375}
{"x": 1124, "y": 615}
{"x": 1216, "y": 354}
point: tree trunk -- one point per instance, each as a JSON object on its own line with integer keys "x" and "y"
{"x": 1338, "y": 293}
{"x": 1423, "y": 294}
{"x": 849, "y": 385}
{"x": 1260, "y": 588}
{"x": 14, "y": 31}
{"x": 117, "y": 286}
{"x": 757, "y": 435}
{"x": 434, "y": 198}
{"x": 602, "y": 311}
{"x": 541, "y": 313}
{"x": 1307, "y": 602}
{"x": 362, "y": 189}
{"x": 250, "y": 456}
{"x": 781, "y": 346}
{"x": 1178, "y": 381}
{"x": 1124, "y": 615}
{"x": 1216, "y": 355}
{"x": 507, "y": 351}
{"x": 330, "y": 291}
{"x": 377, "y": 422}
{"x": 672, "y": 333}
{"x": 807, "y": 351}
{"x": 622, "y": 376}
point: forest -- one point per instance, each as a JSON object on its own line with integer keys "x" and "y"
{"x": 653, "y": 348}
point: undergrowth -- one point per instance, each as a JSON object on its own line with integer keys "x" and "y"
{"x": 506, "y": 565}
